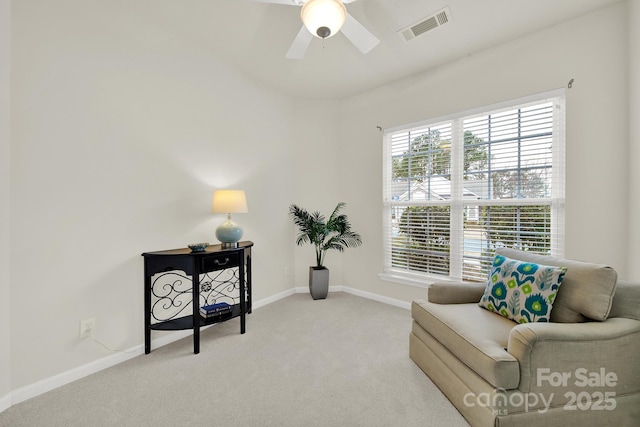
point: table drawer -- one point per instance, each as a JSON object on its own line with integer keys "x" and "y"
{"x": 220, "y": 261}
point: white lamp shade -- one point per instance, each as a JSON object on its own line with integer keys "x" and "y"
{"x": 229, "y": 201}
{"x": 323, "y": 13}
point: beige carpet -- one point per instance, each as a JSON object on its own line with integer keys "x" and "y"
{"x": 342, "y": 361}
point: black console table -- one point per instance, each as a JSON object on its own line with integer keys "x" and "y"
{"x": 178, "y": 282}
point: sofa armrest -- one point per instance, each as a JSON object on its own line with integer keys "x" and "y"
{"x": 553, "y": 349}
{"x": 455, "y": 292}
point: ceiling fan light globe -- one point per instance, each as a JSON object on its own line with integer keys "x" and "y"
{"x": 329, "y": 14}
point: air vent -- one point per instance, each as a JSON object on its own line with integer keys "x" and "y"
{"x": 426, "y": 24}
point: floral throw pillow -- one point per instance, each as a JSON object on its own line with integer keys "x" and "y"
{"x": 522, "y": 291}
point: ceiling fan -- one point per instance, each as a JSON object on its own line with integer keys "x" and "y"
{"x": 323, "y": 19}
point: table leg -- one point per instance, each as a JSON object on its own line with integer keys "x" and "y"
{"x": 147, "y": 313}
{"x": 195, "y": 305}
{"x": 243, "y": 305}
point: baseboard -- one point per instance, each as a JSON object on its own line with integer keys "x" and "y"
{"x": 386, "y": 300}
{"x": 363, "y": 294}
{"x": 273, "y": 298}
{"x": 5, "y": 402}
{"x": 48, "y": 384}
{"x": 51, "y": 383}
{"x": 305, "y": 289}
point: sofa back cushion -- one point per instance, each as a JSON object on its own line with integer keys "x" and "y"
{"x": 587, "y": 289}
{"x": 626, "y": 302}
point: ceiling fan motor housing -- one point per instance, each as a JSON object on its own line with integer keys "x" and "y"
{"x": 323, "y": 18}
{"x": 323, "y": 32}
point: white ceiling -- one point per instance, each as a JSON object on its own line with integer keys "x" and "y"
{"x": 254, "y": 37}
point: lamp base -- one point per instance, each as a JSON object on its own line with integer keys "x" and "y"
{"x": 229, "y": 234}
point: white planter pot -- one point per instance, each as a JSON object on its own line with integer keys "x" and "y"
{"x": 318, "y": 282}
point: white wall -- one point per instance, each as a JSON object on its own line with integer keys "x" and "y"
{"x": 5, "y": 288}
{"x": 120, "y": 133}
{"x": 317, "y": 177}
{"x": 593, "y": 51}
{"x": 634, "y": 137}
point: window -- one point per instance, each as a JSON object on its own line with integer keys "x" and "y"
{"x": 457, "y": 188}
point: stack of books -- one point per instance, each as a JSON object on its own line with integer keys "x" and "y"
{"x": 215, "y": 310}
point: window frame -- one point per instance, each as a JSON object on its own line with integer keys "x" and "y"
{"x": 555, "y": 200}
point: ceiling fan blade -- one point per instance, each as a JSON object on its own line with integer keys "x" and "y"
{"x": 292, "y": 2}
{"x": 300, "y": 44}
{"x": 362, "y": 38}
{"x": 288, "y": 2}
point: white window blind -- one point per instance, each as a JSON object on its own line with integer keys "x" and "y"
{"x": 457, "y": 188}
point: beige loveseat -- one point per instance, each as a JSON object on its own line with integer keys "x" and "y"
{"x": 580, "y": 369}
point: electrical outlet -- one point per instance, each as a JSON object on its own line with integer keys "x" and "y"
{"x": 87, "y": 328}
{"x": 287, "y": 271}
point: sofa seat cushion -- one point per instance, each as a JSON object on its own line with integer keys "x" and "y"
{"x": 477, "y": 337}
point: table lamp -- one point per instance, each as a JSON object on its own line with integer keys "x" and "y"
{"x": 229, "y": 201}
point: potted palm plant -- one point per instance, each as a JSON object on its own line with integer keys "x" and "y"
{"x": 334, "y": 233}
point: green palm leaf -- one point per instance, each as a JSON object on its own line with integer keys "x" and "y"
{"x": 334, "y": 233}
